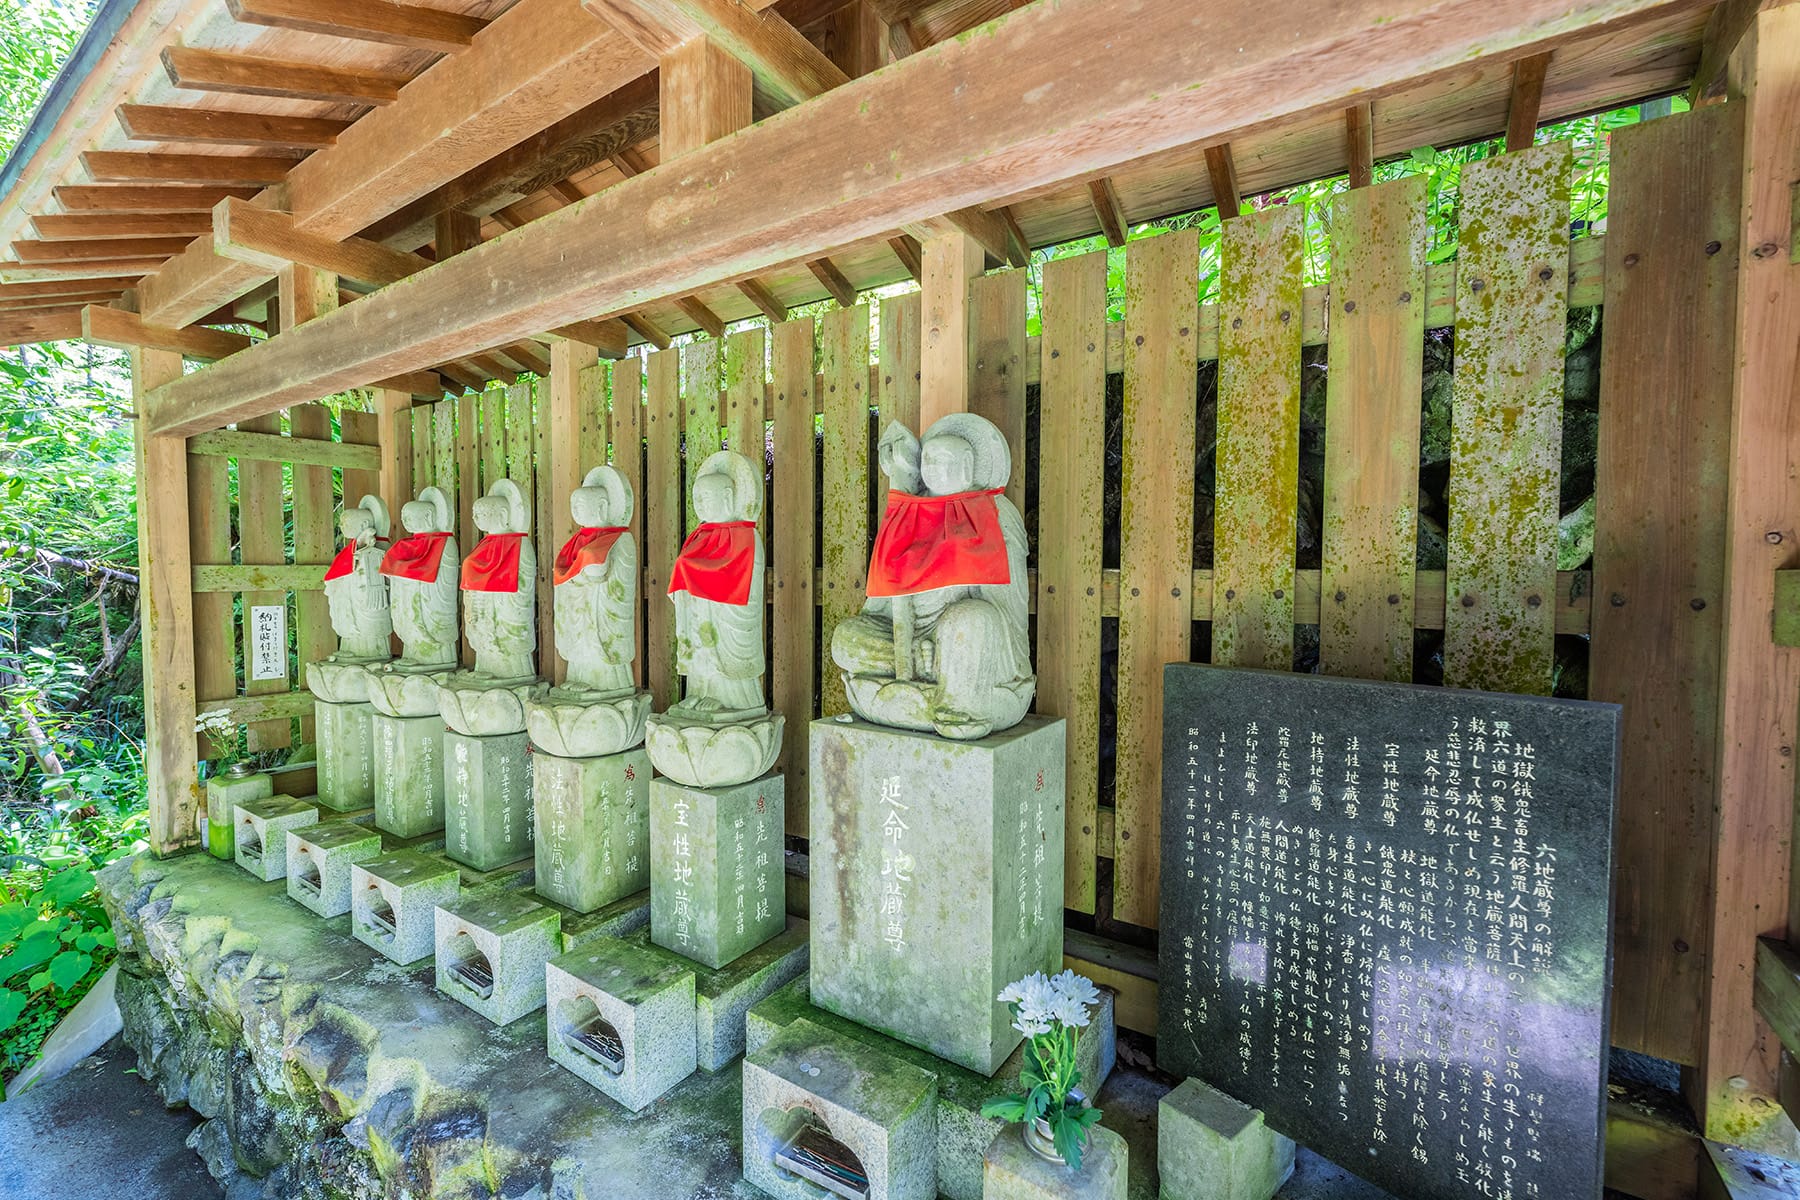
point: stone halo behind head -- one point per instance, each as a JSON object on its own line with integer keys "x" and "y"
{"x": 517, "y": 518}
{"x": 993, "y": 457}
{"x": 746, "y": 482}
{"x": 620, "y": 502}
{"x": 432, "y": 508}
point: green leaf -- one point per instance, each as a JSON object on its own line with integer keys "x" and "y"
{"x": 37, "y": 948}
{"x": 68, "y": 887}
{"x": 11, "y": 1005}
{"x": 87, "y": 940}
{"x": 14, "y": 918}
{"x": 69, "y": 968}
{"x": 38, "y": 982}
{"x": 1004, "y": 1108}
{"x": 1069, "y": 1139}
{"x": 1037, "y": 1102}
{"x": 1087, "y": 1116}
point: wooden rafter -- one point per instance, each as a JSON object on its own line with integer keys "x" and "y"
{"x": 103, "y": 248}
{"x": 410, "y": 25}
{"x": 567, "y": 192}
{"x": 701, "y": 315}
{"x": 28, "y": 328}
{"x": 82, "y": 198}
{"x": 163, "y": 123}
{"x": 764, "y": 299}
{"x": 1223, "y": 172}
{"x": 129, "y": 166}
{"x": 906, "y": 248}
{"x": 786, "y": 67}
{"x": 124, "y": 330}
{"x": 57, "y": 227}
{"x": 60, "y": 287}
{"x": 1359, "y": 143}
{"x": 827, "y": 273}
{"x": 79, "y": 300}
{"x": 1105, "y": 199}
{"x": 245, "y": 75}
{"x": 1527, "y": 98}
{"x": 647, "y": 329}
{"x": 121, "y": 268}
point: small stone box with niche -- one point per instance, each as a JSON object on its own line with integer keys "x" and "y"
{"x": 621, "y": 1017}
{"x": 262, "y": 828}
{"x": 393, "y": 901}
{"x": 491, "y": 951}
{"x": 825, "y": 1115}
{"x": 319, "y": 859}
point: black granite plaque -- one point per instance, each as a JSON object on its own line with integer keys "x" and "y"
{"x": 1386, "y": 921}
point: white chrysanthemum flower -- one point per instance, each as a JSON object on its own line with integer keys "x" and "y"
{"x": 1036, "y": 997}
{"x": 1069, "y": 1011}
{"x": 1078, "y": 988}
{"x": 1030, "y": 1028}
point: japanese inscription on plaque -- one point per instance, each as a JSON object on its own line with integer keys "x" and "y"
{"x": 1386, "y": 922}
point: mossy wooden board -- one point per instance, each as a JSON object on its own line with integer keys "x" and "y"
{"x": 700, "y": 414}
{"x": 997, "y": 376}
{"x": 625, "y": 433}
{"x": 662, "y": 505}
{"x": 793, "y": 676}
{"x": 844, "y": 366}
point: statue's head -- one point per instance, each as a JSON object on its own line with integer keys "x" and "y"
{"x": 603, "y": 500}
{"x": 366, "y": 522}
{"x": 430, "y": 513}
{"x": 963, "y": 453}
{"x": 503, "y": 509}
{"x": 728, "y": 487}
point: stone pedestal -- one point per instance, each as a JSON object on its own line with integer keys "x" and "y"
{"x": 262, "y": 828}
{"x": 1011, "y": 1171}
{"x": 621, "y": 1016}
{"x": 620, "y": 918}
{"x": 937, "y": 879}
{"x": 491, "y": 951}
{"x": 346, "y": 739}
{"x": 318, "y": 861}
{"x": 593, "y": 827}
{"x": 1210, "y": 1146}
{"x": 409, "y": 774}
{"x": 223, "y": 794}
{"x": 487, "y": 799}
{"x": 723, "y": 998}
{"x": 716, "y": 889}
{"x": 818, "y": 1102}
{"x": 393, "y": 902}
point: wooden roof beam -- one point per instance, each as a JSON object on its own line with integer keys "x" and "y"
{"x": 77, "y": 301}
{"x": 244, "y": 75}
{"x": 781, "y": 191}
{"x": 462, "y": 375}
{"x": 82, "y": 198}
{"x": 24, "y": 329}
{"x": 1527, "y": 100}
{"x": 409, "y": 25}
{"x": 907, "y": 249}
{"x": 1359, "y": 142}
{"x": 64, "y": 227}
{"x": 785, "y": 66}
{"x": 701, "y": 315}
{"x": 826, "y": 272}
{"x": 60, "y": 287}
{"x": 1105, "y": 198}
{"x": 126, "y": 330}
{"x": 765, "y": 300}
{"x": 130, "y": 166}
{"x": 209, "y": 126}
{"x": 1223, "y": 172}
{"x": 415, "y": 383}
{"x": 119, "y": 268}
{"x": 106, "y": 248}
{"x": 647, "y": 329}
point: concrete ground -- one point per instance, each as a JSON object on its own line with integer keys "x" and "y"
{"x": 99, "y": 1132}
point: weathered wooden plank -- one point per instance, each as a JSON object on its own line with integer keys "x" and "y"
{"x": 626, "y": 433}
{"x": 663, "y": 506}
{"x": 543, "y": 514}
{"x": 393, "y": 410}
{"x": 468, "y": 476}
{"x": 276, "y": 708}
{"x": 262, "y": 540}
{"x": 744, "y": 406}
{"x": 1257, "y": 486}
{"x": 243, "y": 444}
{"x": 521, "y": 442}
{"x": 280, "y": 577}
{"x": 314, "y": 505}
{"x": 997, "y": 375}
{"x": 1506, "y": 439}
{"x": 794, "y": 675}
{"x": 1071, "y": 476}
{"x": 898, "y": 393}
{"x": 209, "y": 543}
{"x": 424, "y": 466}
{"x": 1659, "y": 545}
{"x": 573, "y": 425}
{"x": 1156, "y": 545}
{"x": 701, "y": 426}
{"x": 1380, "y": 237}
{"x": 443, "y": 464}
{"x": 844, "y": 521}
{"x": 359, "y": 428}
{"x": 946, "y": 354}
{"x": 492, "y": 437}
{"x": 591, "y": 403}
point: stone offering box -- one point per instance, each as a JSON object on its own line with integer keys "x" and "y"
{"x": 346, "y": 743}
{"x": 592, "y": 820}
{"x": 409, "y": 774}
{"x": 621, "y": 1016}
{"x": 491, "y": 951}
{"x": 393, "y": 901}
{"x": 262, "y": 828}
{"x": 487, "y": 799}
{"x": 963, "y": 1134}
{"x": 716, "y": 887}
{"x": 1012, "y": 1171}
{"x": 1211, "y": 1147}
{"x": 224, "y": 793}
{"x": 318, "y": 863}
{"x": 820, "y": 1106}
{"x": 937, "y": 879}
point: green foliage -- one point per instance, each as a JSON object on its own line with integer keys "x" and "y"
{"x": 55, "y": 941}
{"x": 35, "y": 37}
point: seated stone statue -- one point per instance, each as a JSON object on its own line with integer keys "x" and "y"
{"x": 943, "y": 643}
{"x": 598, "y": 710}
{"x": 721, "y": 732}
{"x": 421, "y": 569}
{"x": 499, "y": 597}
{"x": 356, "y": 596}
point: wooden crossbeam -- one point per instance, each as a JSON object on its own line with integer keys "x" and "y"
{"x": 764, "y": 299}
{"x": 25, "y": 329}
{"x": 270, "y": 240}
{"x": 414, "y": 383}
{"x": 647, "y": 329}
{"x": 1526, "y": 100}
{"x": 567, "y": 192}
{"x": 786, "y": 67}
{"x": 74, "y": 302}
{"x": 125, "y": 330}
{"x": 246, "y": 75}
{"x": 122, "y": 268}
{"x": 610, "y": 338}
{"x": 163, "y": 123}
{"x": 59, "y": 287}
{"x": 1223, "y": 173}
{"x": 906, "y": 248}
{"x": 81, "y": 198}
{"x": 701, "y": 315}
{"x": 103, "y": 248}
{"x": 1106, "y": 206}
{"x": 411, "y": 25}
{"x": 827, "y": 273}
{"x": 1359, "y": 140}
{"x": 61, "y": 227}
{"x": 1170, "y": 78}
{"x": 129, "y": 166}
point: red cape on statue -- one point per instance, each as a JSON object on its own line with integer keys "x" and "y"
{"x": 415, "y": 557}
{"x": 716, "y": 562}
{"x": 929, "y": 542}
{"x": 588, "y": 548}
{"x": 494, "y": 566}
{"x": 345, "y": 560}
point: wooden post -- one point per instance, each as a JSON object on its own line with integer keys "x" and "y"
{"x": 563, "y": 412}
{"x": 952, "y": 262}
{"x": 165, "y": 575}
{"x": 705, "y": 94}
{"x": 1734, "y": 1088}
{"x": 394, "y": 411}
{"x": 303, "y": 293}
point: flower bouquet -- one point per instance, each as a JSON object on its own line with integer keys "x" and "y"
{"x": 1054, "y": 1114}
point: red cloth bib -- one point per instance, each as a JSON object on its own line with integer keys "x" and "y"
{"x": 415, "y": 557}
{"x": 345, "y": 562}
{"x": 929, "y": 542}
{"x": 716, "y": 562}
{"x": 494, "y": 566}
{"x": 588, "y": 548}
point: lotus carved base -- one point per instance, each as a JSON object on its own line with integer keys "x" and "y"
{"x": 710, "y": 754}
{"x": 918, "y": 705}
{"x": 398, "y": 689}
{"x": 342, "y": 678}
{"x": 577, "y": 722}
{"x": 479, "y": 705}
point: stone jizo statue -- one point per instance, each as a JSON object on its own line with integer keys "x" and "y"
{"x": 356, "y": 595}
{"x": 721, "y": 732}
{"x": 422, "y": 569}
{"x": 943, "y": 644}
{"x": 499, "y": 596}
{"x": 599, "y": 710}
